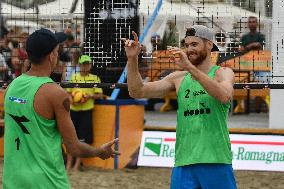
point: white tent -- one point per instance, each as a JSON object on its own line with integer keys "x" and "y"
{"x": 56, "y": 9}
{"x": 219, "y": 16}
{"x": 52, "y": 15}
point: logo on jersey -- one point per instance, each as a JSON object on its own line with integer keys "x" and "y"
{"x": 17, "y": 100}
{"x": 195, "y": 112}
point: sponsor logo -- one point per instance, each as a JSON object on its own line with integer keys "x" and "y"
{"x": 17, "y": 100}
{"x": 248, "y": 155}
{"x": 200, "y": 92}
{"x": 159, "y": 147}
{"x": 195, "y": 112}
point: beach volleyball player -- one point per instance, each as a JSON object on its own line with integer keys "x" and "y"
{"x": 203, "y": 156}
{"x": 37, "y": 118}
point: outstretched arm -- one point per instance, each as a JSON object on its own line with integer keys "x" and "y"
{"x": 61, "y": 107}
{"x": 137, "y": 88}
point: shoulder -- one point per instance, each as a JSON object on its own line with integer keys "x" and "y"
{"x": 244, "y": 36}
{"x": 260, "y": 34}
{"x": 224, "y": 73}
{"x": 53, "y": 92}
{"x": 224, "y": 70}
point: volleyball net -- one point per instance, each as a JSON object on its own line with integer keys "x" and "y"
{"x": 95, "y": 28}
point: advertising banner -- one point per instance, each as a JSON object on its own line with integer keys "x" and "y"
{"x": 249, "y": 152}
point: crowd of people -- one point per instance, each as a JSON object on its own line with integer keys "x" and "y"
{"x": 230, "y": 46}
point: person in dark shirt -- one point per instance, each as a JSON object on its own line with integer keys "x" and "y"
{"x": 253, "y": 40}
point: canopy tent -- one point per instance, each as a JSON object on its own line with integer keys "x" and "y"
{"x": 52, "y": 15}
{"x": 51, "y": 10}
{"x": 219, "y": 16}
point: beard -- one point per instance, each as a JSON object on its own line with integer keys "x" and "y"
{"x": 198, "y": 57}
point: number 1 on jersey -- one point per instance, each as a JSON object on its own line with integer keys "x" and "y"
{"x": 18, "y": 142}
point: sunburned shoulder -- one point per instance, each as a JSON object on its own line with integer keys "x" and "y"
{"x": 224, "y": 73}
{"x": 53, "y": 91}
{"x": 224, "y": 70}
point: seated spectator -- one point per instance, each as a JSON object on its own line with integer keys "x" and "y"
{"x": 220, "y": 38}
{"x": 253, "y": 40}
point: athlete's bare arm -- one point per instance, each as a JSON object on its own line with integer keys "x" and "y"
{"x": 52, "y": 102}
{"x": 139, "y": 89}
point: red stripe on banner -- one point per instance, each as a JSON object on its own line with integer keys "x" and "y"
{"x": 240, "y": 142}
{"x": 169, "y": 139}
{"x": 257, "y": 142}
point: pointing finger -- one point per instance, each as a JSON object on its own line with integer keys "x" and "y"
{"x": 112, "y": 142}
{"x": 135, "y": 38}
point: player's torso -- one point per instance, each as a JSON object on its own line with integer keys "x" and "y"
{"x": 201, "y": 125}
{"x": 32, "y": 155}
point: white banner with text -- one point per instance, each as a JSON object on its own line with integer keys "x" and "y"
{"x": 250, "y": 152}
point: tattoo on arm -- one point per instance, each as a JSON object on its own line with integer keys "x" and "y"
{"x": 66, "y": 104}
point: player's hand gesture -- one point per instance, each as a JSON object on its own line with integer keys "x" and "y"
{"x": 132, "y": 47}
{"x": 179, "y": 57}
{"x": 106, "y": 150}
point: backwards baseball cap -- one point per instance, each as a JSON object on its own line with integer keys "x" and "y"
{"x": 85, "y": 59}
{"x": 41, "y": 42}
{"x": 202, "y": 32}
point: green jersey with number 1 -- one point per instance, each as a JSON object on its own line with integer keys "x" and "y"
{"x": 32, "y": 144}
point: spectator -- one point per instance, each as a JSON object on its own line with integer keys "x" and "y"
{"x": 3, "y": 68}
{"x": 12, "y": 38}
{"x": 220, "y": 38}
{"x": 6, "y": 52}
{"x": 253, "y": 40}
{"x": 72, "y": 66}
{"x": 81, "y": 111}
{"x": 16, "y": 63}
{"x": 156, "y": 42}
{"x": 22, "y": 46}
{"x": 58, "y": 73}
{"x": 23, "y": 56}
{"x": 70, "y": 40}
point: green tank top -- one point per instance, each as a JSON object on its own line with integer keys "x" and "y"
{"x": 32, "y": 144}
{"x": 202, "y": 135}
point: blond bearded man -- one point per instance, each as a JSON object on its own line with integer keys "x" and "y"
{"x": 203, "y": 152}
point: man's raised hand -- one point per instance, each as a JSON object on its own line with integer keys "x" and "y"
{"x": 132, "y": 47}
